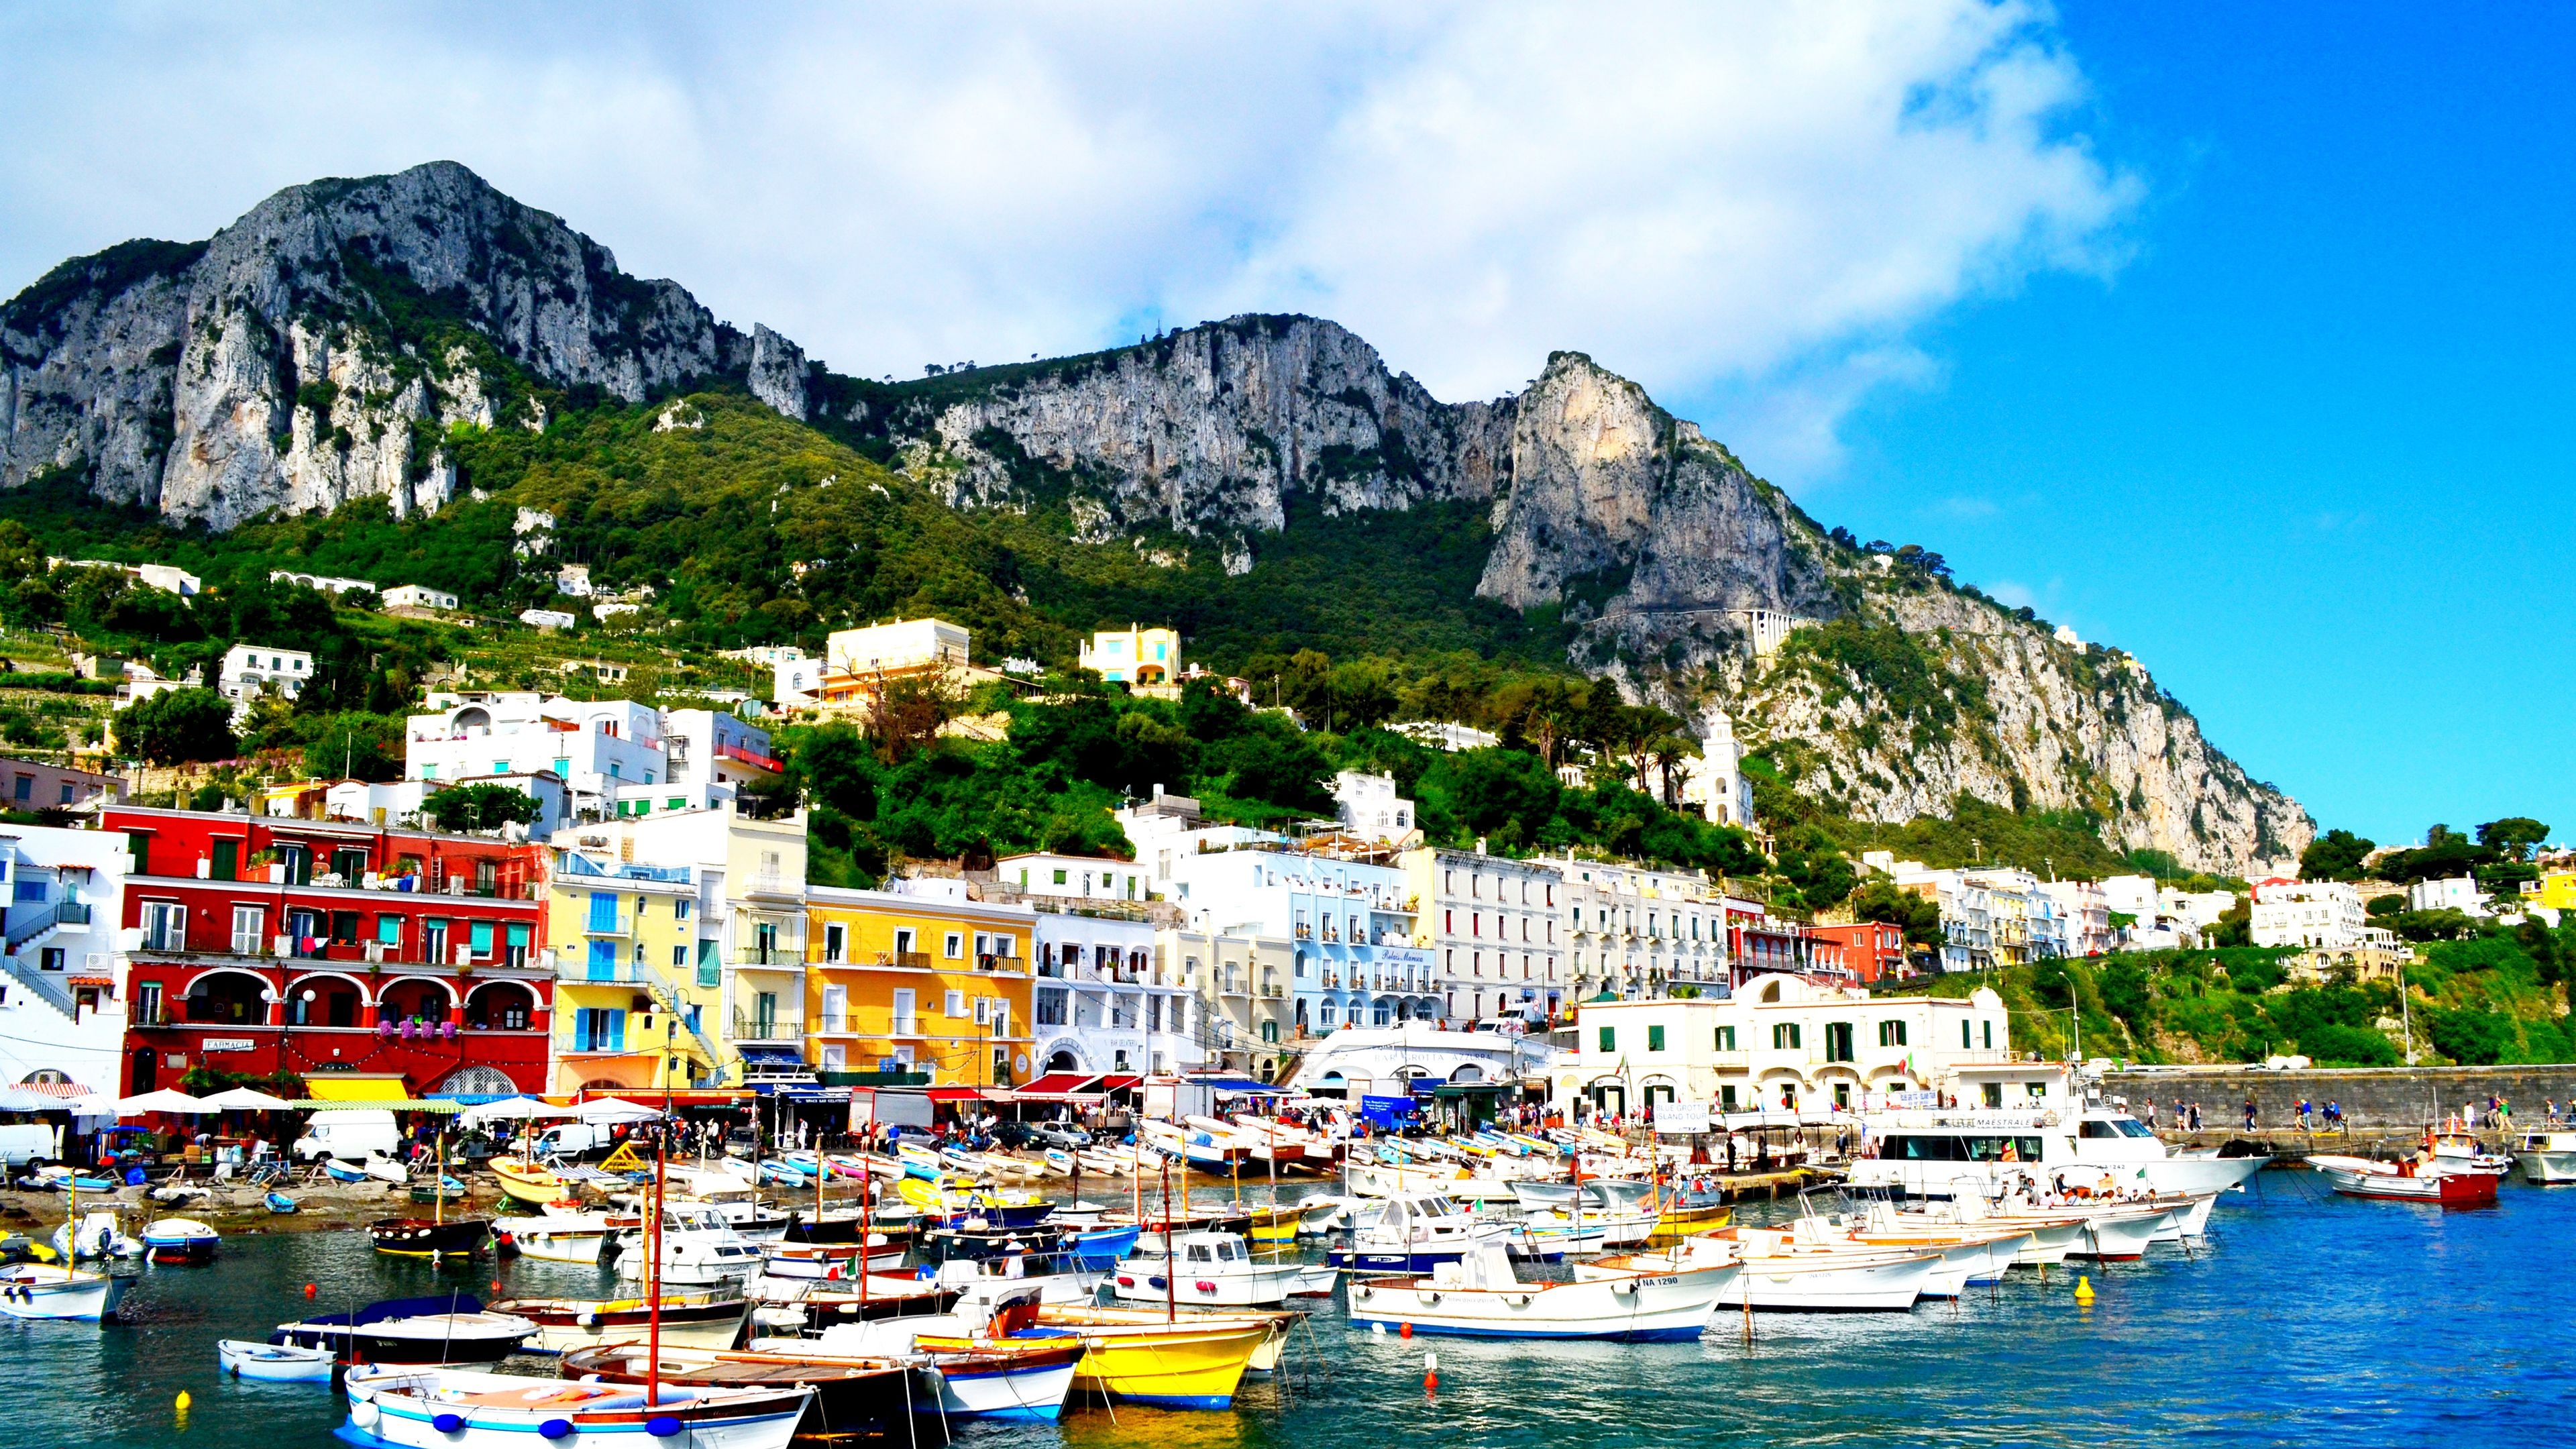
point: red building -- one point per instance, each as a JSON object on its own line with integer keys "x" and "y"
{"x": 323, "y": 946}
{"x": 1873, "y": 949}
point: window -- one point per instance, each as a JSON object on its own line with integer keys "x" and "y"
{"x": 388, "y": 930}
{"x": 680, "y": 909}
{"x": 1838, "y": 1041}
{"x": 1967, "y": 1038}
{"x": 1785, "y": 1036}
{"x": 1726, "y": 1099}
{"x": 1654, "y": 1038}
{"x": 983, "y": 1010}
{"x": 1990, "y": 1035}
{"x": 1726, "y": 1038}
{"x": 905, "y": 1024}
{"x": 603, "y": 911}
{"x": 250, "y": 926}
{"x": 956, "y": 947}
{"x": 1891, "y": 1033}
{"x": 344, "y": 928}
{"x": 1609, "y": 1038}
{"x": 482, "y": 938}
{"x": 835, "y": 940}
{"x": 955, "y": 1004}
{"x": 1059, "y": 875}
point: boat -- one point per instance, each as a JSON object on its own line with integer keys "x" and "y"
{"x": 99, "y": 1234}
{"x": 445, "y": 1190}
{"x": 1193, "y": 1362}
{"x": 562, "y": 1237}
{"x": 2459, "y": 1151}
{"x": 2546, "y": 1157}
{"x": 983, "y": 1372}
{"x": 2406, "y": 1181}
{"x": 1414, "y": 1233}
{"x": 1478, "y": 1296}
{"x": 51, "y": 1290}
{"x": 69, "y": 1180}
{"x": 1377, "y": 1178}
{"x": 1934, "y": 1153}
{"x": 1804, "y": 1270}
{"x": 805, "y": 1306}
{"x": 1001, "y": 1207}
{"x": 385, "y": 1169}
{"x": 1218, "y": 1270}
{"x": 343, "y": 1172}
{"x": 689, "y": 1320}
{"x": 179, "y": 1240}
{"x": 699, "y": 1249}
{"x": 529, "y": 1182}
{"x": 274, "y": 1362}
{"x": 1968, "y": 1256}
{"x": 829, "y": 1260}
{"x": 442, "y": 1408}
{"x": 429, "y": 1238}
{"x": 452, "y": 1328}
{"x": 278, "y": 1202}
{"x": 851, "y": 1396}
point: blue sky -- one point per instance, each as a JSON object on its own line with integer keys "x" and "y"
{"x": 2305, "y": 450}
{"x": 2235, "y": 338}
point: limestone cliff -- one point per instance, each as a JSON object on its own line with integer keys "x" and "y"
{"x": 312, "y": 351}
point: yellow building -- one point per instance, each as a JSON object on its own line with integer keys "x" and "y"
{"x": 859, "y": 662}
{"x": 2557, "y": 891}
{"x": 923, "y": 979}
{"x": 625, "y": 957}
{"x": 1136, "y": 656}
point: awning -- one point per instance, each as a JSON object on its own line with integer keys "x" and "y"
{"x": 373, "y": 1091}
{"x": 771, "y": 1056}
{"x": 1119, "y": 1084}
{"x": 1062, "y": 1084}
{"x": 1236, "y": 1084}
{"x": 955, "y": 1094}
{"x": 390, "y": 1104}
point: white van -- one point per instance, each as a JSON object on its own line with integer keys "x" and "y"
{"x": 350, "y": 1134}
{"x": 572, "y": 1139}
{"x": 24, "y": 1144}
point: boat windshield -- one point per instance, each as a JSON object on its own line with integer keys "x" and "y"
{"x": 2113, "y": 1127}
{"x": 1930, "y": 1147}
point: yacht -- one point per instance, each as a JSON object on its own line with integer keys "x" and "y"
{"x": 1981, "y": 1150}
{"x": 1414, "y": 1233}
{"x": 2546, "y": 1157}
{"x": 699, "y": 1250}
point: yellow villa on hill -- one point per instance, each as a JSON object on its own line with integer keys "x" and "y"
{"x": 922, "y": 978}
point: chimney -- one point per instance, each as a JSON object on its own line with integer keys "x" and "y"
{"x": 1480, "y": 845}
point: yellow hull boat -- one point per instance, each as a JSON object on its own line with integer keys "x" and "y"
{"x": 1139, "y": 1358}
{"x": 528, "y": 1182}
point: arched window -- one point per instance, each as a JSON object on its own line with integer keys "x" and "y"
{"x": 478, "y": 1082}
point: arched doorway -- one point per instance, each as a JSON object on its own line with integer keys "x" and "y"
{"x": 1064, "y": 1061}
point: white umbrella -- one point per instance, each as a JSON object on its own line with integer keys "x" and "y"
{"x": 511, "y": 1109}
{"x": 248, "y": 1099}
{"x": 165, "y": 1100}
{"x": 615, "y": 1109}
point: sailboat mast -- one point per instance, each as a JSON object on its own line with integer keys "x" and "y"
{"x": 653, "y": 1280}
{"x": 1171, "y": 1289}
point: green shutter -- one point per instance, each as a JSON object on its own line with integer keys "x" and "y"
{"x": 1654, "y": 1038}
{"x": 1609, "y": 1038}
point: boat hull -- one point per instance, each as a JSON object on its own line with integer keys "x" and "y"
{"x": 2118, "y": 1237}
{"x": 1806, "y": 1287}
{"x": 1183, "y": 1366}
{"x": 422, "y": 1238}
{"x": 1265, "y": 1286}
{"x": 2452, "y": 1189}
{"x": 39, "y": 1290}
{"x": 272, "y": 1362}
{"x": 400, "y": 1408}
{"x": 1657, "y": 1308}
{"x": 2545, "y": 1168}
{"x": 557, "y": 1239}
{"x": 1030, "y": 1386}
{"x": 568, "y": 1327}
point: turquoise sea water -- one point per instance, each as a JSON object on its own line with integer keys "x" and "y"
{"x": 2303, "y": 1319}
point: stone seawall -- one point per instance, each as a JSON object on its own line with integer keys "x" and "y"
{"x": 2389, "y": 1099}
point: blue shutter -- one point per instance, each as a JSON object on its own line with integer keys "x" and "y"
{"x": 603, "y": 910}
{"x": 616, "y": 1019}
{"x": 603, "y": 960}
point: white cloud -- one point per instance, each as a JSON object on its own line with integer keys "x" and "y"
{"x": 1750, "y": 202}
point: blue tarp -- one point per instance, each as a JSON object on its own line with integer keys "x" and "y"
{"x": 1386, "y": 1111}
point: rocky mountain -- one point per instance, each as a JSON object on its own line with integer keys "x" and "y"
{"x": 322, "y": 347}
{"x": 314, "y": 350}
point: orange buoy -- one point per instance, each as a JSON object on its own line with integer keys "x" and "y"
{"x": 308, "y": 1290}
{"x": 1404, "y": 1330}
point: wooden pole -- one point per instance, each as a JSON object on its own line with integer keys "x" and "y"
{"x": 653, "y": 1281}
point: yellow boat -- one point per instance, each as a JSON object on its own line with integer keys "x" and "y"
{"x": 1140, "y": 1357}
{"x": 528, "y": 1182}
{"x": 1678, "y": 1221}
{"x": 1273, "y": 1224}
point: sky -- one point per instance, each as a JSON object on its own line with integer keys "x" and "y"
{"x": 2233, "y": 338}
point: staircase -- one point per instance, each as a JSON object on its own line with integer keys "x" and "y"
{"x": 666, "y": 997}
{"x": 39, "y": 926}
{"x": 43, "y": 987}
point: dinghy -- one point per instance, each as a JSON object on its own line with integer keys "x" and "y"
{"x": 410, "y": 1408}
{"x": 452, "y": 1328}
{"x": 1479, "y": 1296}
{"x": 47, "y": 1290}
{"x": 279, "y": 1202}
{"x": 179, "y": 1240}
{"x": 273, "y": 1362}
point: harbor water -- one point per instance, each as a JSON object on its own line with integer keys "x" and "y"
{"x": 2302, "y": 1319}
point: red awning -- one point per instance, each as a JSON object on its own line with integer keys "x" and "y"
{"x": 955, "y": 1094}
{"x": 1060, "y": 1084}
{"x": 1118, "y": 1084}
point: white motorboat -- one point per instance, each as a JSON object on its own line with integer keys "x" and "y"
{"x": 983, "y": 1285}
{"x": 50, "y": 1290}
{"x": 1219, "y": 1270}
{"x": 983, "y": 1375}
{"x": 273, "y": 1362}
{"x": 385, "y": 1169}
{"x": 2463, "y": 1152}
{"x": 179, "y": 1240}
{"x": 738, "y": 1203}
{"x": 453, "y": 1328}
{"x": 1795, "y": 1271}
{"x": 413, "y": 1408}
{"x": 699, "y": 1249}
{"x": 1970, "y": 1256}
{"x": 2408, "y": 1181}
{"x": 98, "y": 1235}
{"x": 689, "y": 1320}
{"x": 1600, "y": 1194}
{"x": 1935, "y": 1153}
{"x": 830, "y": 1261}
{"x": 1373, "y": 1177}
{"x": 2546, "y": 1157}
{"x": 1414, "y": 1233}
{"x": 563, "y": 1236}
{"x": 1479, "y": 1296}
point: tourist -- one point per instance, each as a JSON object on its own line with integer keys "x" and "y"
{"x": 2249, "y": 1113}
{"x": 2303, "y": 1114}
{"x": 2180, "y": 1120}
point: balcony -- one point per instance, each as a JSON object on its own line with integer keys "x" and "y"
{"x": 908, "y": 960}
{"x": 748, "y": 1027}
{"x": 772, "y": 958}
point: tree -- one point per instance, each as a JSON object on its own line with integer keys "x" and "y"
{"x": 1499, "y": 792}
{"x": 481, "y": 807}
{"x": 2335, "y": 855}
{"x": 355, "y": 746}
{"x": 178, "y": 725}
{"x": 2514, "y": 837}
{"x": 2235, "y": 928}
{"x": 1918, "y": 916}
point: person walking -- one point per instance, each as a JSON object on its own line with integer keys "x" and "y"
{"x": 2303, "y": 1114}
{"x": 2249, "y": 1112}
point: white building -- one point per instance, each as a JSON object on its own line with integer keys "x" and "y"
{"x": 251, "y": 668}
{"x": 1102, "y": 1002}
{"x": 1073, "y": 877}
{"x": 1349, "y": 922}
{"x": 1489, "y": 926}
{"x": 62, "y": 997}
{"x": 1446, "y": 735}
{"x": 2325, "y": 913}
{"x": 2087, "y": 913}
{"x": 1713, "y": 782}
{"x": 322, "y": 582}
{"x": 2460, "y": 893}
{"x": 573, "y": 579}
{"x": 595, "y": 748}
{"x": 165, "y": 577}
{"x": 711, "y": 747}
{"x": 766, "y": 654}
{"x": 1370, "y": 809}
{"x": 1360, "y": 1061}
{"x": 1166, "y": 828}
{"x": 419, "y": 596}
{"x": 547, "y": 619}
{"x": 1781, "y": 1042}
{"x": 1638, "y": 931}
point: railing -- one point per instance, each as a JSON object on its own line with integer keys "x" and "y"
{"x": 909, "y": 960}
{"x": 780, "y": 958}
{"x": 51, "y": 992}
{"x": 747, "y": 1027}
{"x": 63, "y": 913}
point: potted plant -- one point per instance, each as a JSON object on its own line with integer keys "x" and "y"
{"x": 271, "y": 863}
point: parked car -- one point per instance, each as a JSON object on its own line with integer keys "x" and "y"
{"x": 1058, "y": 1134}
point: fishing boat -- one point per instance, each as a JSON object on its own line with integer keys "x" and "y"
{"x": 385, "y": 1169}
{"x": 2405, "y": 1181}
{"x": 51, "y": 1290}
{"x": 562, "y": 1237}
{"x": 1001, "y": 1207}
{"x": 689, "y": 1320}
{"x": 699, "y": 1249}
{"x": 1791, "y": 1271}
{"x": 428, "y": 1237}
{"x": 452, "y": 1328}
{"x": 1193, "y": 1362}
{"x": 529, "y": 1182}
{"x": 278, "y": 1202}
{"x": 800, "y": 1306}
{"x": 410, "y": 1408}
{"x": 1218, "y": 1270}
{"x": 983, "y": 1372}
{"x": 1196, "y": 1147}
{"x": 95, "y": 1234}
{"x": 830, "y": 1260}
{"x": 347, "y": 1173}
{"x": 1414, "y": 1233}
{"x": 2459, "y": 1151}
{"x": 1479, "y": 1296}
{"x": 1968, "y": 1256}
{"x": 273, "y": 1362}
{"x": 179, "y": 1240}
{"x": 851, "y": 1396}
{"x": 2546, "y": 1157}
